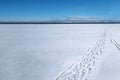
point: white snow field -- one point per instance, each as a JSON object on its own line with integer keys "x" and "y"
{"x": 60, "y": 52}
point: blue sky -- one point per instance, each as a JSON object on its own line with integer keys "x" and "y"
{"x": 46, "y": 9}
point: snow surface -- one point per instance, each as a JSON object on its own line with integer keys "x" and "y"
{"x": 43, "y": 52}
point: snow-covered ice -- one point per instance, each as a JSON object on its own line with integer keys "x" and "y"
{"x": 43, "y": 52}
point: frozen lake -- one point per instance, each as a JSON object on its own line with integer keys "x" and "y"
{"x": 41, "y": 52}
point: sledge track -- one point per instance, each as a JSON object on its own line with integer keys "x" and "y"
{"x": 114, "y": 42}
{"x": 84, "y": 68}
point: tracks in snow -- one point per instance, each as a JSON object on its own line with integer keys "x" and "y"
{"x": 114, "y": 42}
{"x": 84, "y": 68}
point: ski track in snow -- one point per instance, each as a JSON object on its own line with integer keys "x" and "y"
{"x": 114, "y": 42}
{"x": 85, "y": 67}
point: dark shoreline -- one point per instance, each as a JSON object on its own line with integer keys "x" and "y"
{"x": 59, "y": 22}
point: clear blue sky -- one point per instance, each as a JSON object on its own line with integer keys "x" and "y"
{"x": 45, "y": 9}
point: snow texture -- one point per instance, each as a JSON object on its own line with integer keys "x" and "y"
{"x": 60, "y": 52}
